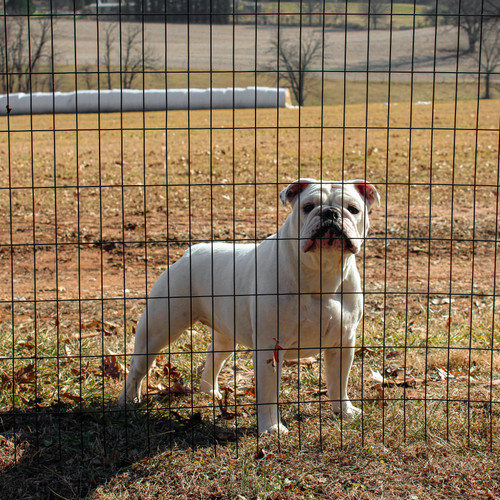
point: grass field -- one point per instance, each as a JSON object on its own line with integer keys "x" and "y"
{"x": 354, "y": 14}
{"x": 96, "y": 207}
{"x": 326, "y": 91}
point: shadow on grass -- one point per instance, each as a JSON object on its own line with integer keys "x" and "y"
{"x": 67, "y": 452}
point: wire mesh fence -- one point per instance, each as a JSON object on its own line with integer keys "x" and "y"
{"x": 150, "y": 127}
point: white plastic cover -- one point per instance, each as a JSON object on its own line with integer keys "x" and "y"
{"x": 116, "y": 100}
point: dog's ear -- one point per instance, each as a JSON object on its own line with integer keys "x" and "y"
{"x": 367, "y": 191}
{"x": 291, "y": 192}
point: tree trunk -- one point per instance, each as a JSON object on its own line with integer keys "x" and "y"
{"x": 472, "y": 43}
{"x": 301, "y": 90}
{"x": 486, "y": 86}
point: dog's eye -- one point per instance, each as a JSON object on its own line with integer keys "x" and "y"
{"x": 307, "y": 207}
{"x": 353, "y": 209}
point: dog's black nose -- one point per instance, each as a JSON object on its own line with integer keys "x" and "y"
{"x": 331, "y": 214}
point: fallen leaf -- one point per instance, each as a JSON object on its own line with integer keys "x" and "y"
{"x": 82, "y": 336}
{"x": 73, "y": 397}
{"x": 396, "y": 378}
{"x": 366, "y": 351}
{"x": 224, "y": 403}
{"x": 105, "y": 327}
{"x": 308, "y": 362}
{"x": 92, "y": 324}
{"x": 321, "y": 392}
{"x": 442, "y": 301}
{"x": 262, "y": 453}
{"x": 24, "y": 343}
{"x": 112, "y": 368}
{"x": 25, "y": 375}
{"x": 171, "y": 372}
{"x": 393, "y": 354}
{"x": 157, "y": 387}
{"x": 22, "y": 376}
{"x": 380, "y": 394}
{"x": 221, "y": 435}
{"x": 395, "y": 371}
{"x": 176, "y": 388}
{"x": 179, "y": 388}
{"x": 455, "y": 375}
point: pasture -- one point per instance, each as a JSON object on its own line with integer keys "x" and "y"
{"x": 95, "y": 207}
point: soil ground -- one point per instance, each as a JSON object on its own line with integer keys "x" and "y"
{"x": 96, "y": 207}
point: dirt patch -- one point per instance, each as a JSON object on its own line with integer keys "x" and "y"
{"x": 88, "y": 230}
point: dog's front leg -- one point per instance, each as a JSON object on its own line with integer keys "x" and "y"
{"x": 338, "y": 361}
{"x": 218, "y": 351}
{"x": 267, "y": 366}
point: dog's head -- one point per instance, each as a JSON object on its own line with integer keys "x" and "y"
{"x": 331, "y": 215}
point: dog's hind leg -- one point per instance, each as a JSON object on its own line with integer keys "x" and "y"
{"x": 217, "y": 352}
{"x": 157, "y": 329}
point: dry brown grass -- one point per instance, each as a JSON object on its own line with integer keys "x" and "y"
{"x": 122, "y": 201}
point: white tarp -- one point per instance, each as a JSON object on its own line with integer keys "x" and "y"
{"x": 116, "y": 100}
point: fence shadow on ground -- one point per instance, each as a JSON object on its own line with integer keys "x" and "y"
{"x": 67, "y": 452}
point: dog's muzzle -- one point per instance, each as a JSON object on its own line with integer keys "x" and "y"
{"x": 331, "y": 229}
{"x": 330, "y": 214}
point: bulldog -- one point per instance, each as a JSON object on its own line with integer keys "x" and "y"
{"x": 295, "y": 294}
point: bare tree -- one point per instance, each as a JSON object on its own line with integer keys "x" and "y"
{"x": 51, "y": 79}
{"x": 377, "y": 10}
{"x": 19, "y": 6}
{"x": 88, "y": 76}
{"x": 296, "y": 59}
{"x": 311, "y": 7}
{"x": 22, "y": 52}
{"x": 136, "y": 56}
{"x": 4, "y": 66}
{"x": 109, "y": 36}
{"x": 489, "y": 54}
{"x": 132, "y": 53}
{"x": 467, "y": 15}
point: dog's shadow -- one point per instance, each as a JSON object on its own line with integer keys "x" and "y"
{"x": 68, "y": 451}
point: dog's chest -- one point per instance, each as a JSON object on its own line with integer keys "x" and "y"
{"x": 314, "y": 322}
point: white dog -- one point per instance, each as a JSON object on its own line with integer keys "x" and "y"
{"x": 299, "y": 287}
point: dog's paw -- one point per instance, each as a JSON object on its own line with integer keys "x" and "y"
{"x": 348, "y": 410}
{"x": 124, "y": 400}
{"x": 279, "y": 429}
{"x": 210, "y": 391}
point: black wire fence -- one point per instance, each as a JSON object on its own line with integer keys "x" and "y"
{"x": 99, "y": 197}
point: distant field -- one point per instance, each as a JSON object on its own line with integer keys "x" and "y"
{"x": 224, "y": 55}
{"x": 336, "y": 12}
{"x": 95, "y": 207}
{"x": 328, "y": 91}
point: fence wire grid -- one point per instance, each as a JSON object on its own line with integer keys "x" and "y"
{"x": 96, "y": 205}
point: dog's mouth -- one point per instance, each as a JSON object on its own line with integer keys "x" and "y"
{"x": 330, "y": 235}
